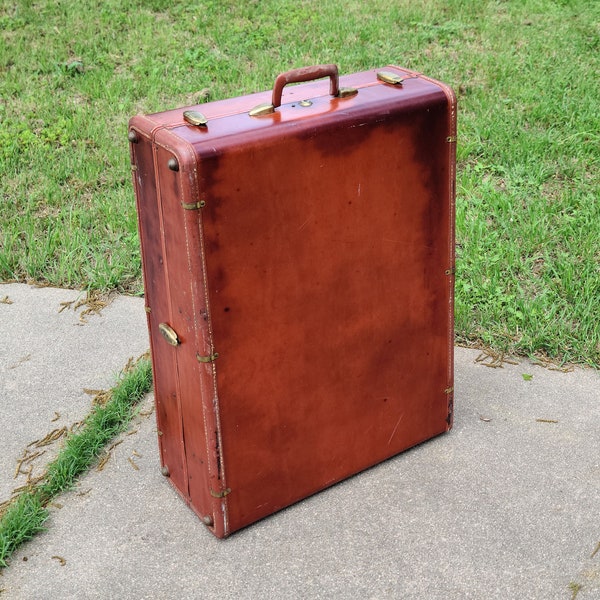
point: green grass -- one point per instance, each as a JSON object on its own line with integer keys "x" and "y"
{"x": 528, "y": 183}
{"x": 25, "y": 516}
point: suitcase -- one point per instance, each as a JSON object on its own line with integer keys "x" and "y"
{"x": 298, "y": 260}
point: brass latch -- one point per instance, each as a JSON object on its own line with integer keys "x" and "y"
{"x": 169, "y": 334}
{"x": 193, "y": 117}
{"x": 347, "y": 92}
{"x": 389, "y": 77}
{"x": 262, "y": 109}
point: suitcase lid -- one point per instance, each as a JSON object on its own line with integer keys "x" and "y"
{"x": 221, "y": 119}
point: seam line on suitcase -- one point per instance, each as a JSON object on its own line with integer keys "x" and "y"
{"x": 451, "y": 143}
{"x": 194, "y": 192}
{"x": 215, "y": 404}
{"x": 142, "y": 235}
{"x": 160, "y": 207}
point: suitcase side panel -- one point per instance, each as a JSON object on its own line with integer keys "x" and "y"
{"x": 451, "y": 140}
{"x": 195, "y": 355}
{"x": 357, "y": 216}
{"x": 168, "y": 413}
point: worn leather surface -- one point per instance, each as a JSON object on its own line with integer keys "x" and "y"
{"x": 319, "y": 268}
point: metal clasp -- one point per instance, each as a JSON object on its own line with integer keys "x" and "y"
{"x": 262, "y": 109}
{"x": 193, "y": 117}
{"x": 169, "y": 334}
{"x": 389, "y": 77}
{"x": 207, "y": 359}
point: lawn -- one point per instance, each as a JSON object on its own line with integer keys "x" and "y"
{"x": 528, "y": 182}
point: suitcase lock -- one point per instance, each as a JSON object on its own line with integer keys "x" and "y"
{"x": 169, "y": 334}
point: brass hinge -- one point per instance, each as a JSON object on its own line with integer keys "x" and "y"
{"x": 451, "y": 139}
{"x": 207, "y": 359}
{"x": 448, "y": 390}
{"x": 220, "y": 494}
{"x": 193, "y": 205}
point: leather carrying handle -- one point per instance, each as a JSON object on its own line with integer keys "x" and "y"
{"x": 306, "y": 74}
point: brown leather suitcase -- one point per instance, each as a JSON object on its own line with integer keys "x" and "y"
{"x": 298, "y": 259}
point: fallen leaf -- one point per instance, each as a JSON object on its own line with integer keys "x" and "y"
{"x": 527, "y": 377}
{"x": 103, "y": 460}
{"x": 64, "y": 305}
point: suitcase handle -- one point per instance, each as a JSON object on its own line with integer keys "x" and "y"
{"x": 298, "y": 76}
{"x": 306, "y": 74}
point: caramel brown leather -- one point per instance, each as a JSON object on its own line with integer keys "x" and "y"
{"x": 319, "y": 265}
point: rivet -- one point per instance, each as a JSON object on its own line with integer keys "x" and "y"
{"x": 208, "y": 520}
{"x": 132, "y": 137}
{"x": 305, "y": 103}
{"x": 164, "y": 471}
{"x": 173, "y": 164}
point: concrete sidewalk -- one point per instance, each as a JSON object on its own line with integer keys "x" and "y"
{"x": 505, "y": 506}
